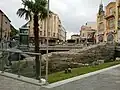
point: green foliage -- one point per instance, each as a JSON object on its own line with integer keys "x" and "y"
{"x": 79, "y": 71}
{"x": 33, "y": 7}
{"x": 37, "y": 9}
{"x": 13, "y": 31}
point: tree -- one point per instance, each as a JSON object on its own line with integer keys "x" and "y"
{"x": 37, "y": 8}
{"x": 13, "y": 31}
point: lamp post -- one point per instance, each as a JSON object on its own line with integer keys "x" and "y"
{"x": 47, "y": 40}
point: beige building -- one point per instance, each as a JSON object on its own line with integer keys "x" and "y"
{"x": 117, "y": 23}
{"x": 87, "y": 34}
{"x": 56, "y": 31}
{"x": 108, "y": 22}
{"x": 4, "y": 26}
{"x": 62, "y": 34}
{"x": 76, "y": 37}
{"x": 100, "y": 35}
{"x": 92, "y": 25}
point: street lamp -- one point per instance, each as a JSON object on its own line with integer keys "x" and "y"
{"x": 47, "y": 40}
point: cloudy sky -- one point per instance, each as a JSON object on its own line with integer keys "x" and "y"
{"x": 73, "y": 13}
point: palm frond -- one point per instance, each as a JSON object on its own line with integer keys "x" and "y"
{"x": 44, "y": 13}
{"x": 23, "y": 12}
{"x": 27, "y": 15}
{"x": 28, "y": 4}
{"x": 41, "y": 2}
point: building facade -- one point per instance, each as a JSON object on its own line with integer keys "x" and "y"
{"x": 23, "y": 34}
{"x": 87, "y": 34}
{"x": 76, "y": 37}
{"x": 56, "y": 31}
{"x": 93, "y": 25}
{"x": 117, "y": 26}
{"x": 5, "y": 26}
{"x": 62, "y": 34}
{"x": 108, "y": 22}
{"x": 100, "y": 35}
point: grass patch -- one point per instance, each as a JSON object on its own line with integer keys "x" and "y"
{"x": 79, "y": 71}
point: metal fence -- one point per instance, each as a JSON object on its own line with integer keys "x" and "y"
{"x": 18, "y": 62}
{"x": 8, "y": 44}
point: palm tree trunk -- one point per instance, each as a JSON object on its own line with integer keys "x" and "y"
{"x": 36, "y": 37}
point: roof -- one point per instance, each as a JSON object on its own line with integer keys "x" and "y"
{"x": 5, "y": 15}
{"x": 75, "y": 35}
{"x": 12, "y": 26}
{"x": 25, "y": 26}
{"x": 111, "y": 3}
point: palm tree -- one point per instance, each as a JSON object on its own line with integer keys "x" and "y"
{"x": 38, "y": 9}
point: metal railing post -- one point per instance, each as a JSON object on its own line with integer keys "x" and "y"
{"x": 48, "y": 7}
{"x": 2, "y": 46}
{"x": 2, "y": 66}
{"x": 18, "y": 65}
{"x": 40, "y": 68}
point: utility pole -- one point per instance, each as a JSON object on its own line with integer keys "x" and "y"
{"x": 47, "y": 40}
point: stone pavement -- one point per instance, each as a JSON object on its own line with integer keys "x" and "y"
{"x": 106, "y": 80}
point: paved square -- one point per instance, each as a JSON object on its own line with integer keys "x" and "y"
{"x": 108, "y": 80}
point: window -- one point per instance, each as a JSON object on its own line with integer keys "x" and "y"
{"x": 41, "y": 25}
{"x": 119, "y": 10}
{"x": 111, "y": 10}
{"x": 119, "y": 23}
{"x": 111, "y": 24}
{"x": 6, "y": 22}
{"x": 53, "y": 34}
{"x": 48, "y": 33}
{"x": 101, "y": 27}
{"x": 44, "y": 33}
{"x": 41, "y": 33}
{"x": 45, "y": 24}
{"x": 101, "y": 18}
{"x": 83, "y": 35}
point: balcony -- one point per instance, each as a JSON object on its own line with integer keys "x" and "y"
{"x": 119, "y": 24}
{"x": 118, "y": 4}
{"x": 110, "y": 15}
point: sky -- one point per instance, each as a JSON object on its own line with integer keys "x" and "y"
{"x": 73, "y": 13}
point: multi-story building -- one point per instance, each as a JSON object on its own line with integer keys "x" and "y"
{"x": 62, "y": 34}
{"x": 76, "y": 37}
{"x": 93, "y": 25}
{"x": 117, "y": 26}
{"x": 87, "y": 34}
{"x": 56, "y": 31}
{"x": 108, "y": 22}
{"x": 23, "y": 34}
{"x": 100, "y": 35}
{"x": 5, "y": 28}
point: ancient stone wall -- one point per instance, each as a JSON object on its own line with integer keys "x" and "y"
{"x": 75, "y": 58}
